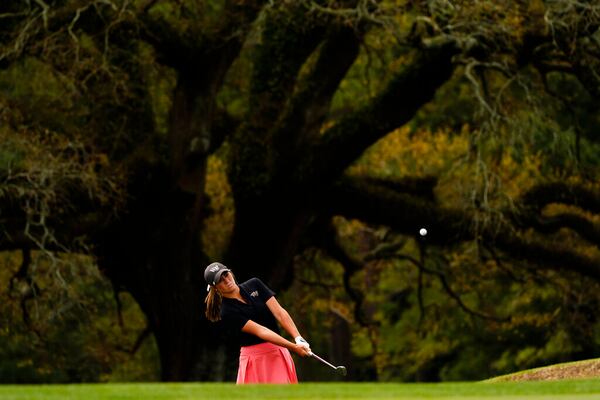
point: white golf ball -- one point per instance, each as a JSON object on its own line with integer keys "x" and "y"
{"x": 422, "y": 231}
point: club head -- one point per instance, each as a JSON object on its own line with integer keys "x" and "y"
{"x": 342, "y": 370}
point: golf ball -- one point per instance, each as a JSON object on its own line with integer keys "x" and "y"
{"x": 422, "y": 231}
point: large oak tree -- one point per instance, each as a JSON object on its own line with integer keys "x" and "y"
{"x": 116, "y": 165}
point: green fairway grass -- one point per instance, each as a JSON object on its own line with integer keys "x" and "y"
{"x": 569, "y": 389}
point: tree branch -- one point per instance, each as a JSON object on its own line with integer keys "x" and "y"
{"x": 289, "y": 38}
{"x": 405, "y": 214}
{"x": 406, "y": 93}
{"x": 562, "y": 192}
{"x": 547, "y": 255}
{"x": 583, "y": 226}
{"x": 23, "y": 271}
{"x": 140, "y": 339}
{"x": 309, "y": 106}
{"x": 184, "y": 50}
{"x": 329, "y": 243}
{"x": 420, "y": 265}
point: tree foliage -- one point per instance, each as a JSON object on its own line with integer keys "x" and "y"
{"x": 73, "y": 333}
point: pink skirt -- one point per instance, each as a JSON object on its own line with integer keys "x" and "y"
{"x": 266, "y": 363}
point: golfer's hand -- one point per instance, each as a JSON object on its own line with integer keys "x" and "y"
{"x": 302, "y": 342}
{"x": 301, "y": 350}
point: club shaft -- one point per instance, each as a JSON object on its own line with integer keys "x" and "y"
{"x": 323, "y": 361}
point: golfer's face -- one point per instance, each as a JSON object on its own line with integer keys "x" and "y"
{"x": 226, "y": 283}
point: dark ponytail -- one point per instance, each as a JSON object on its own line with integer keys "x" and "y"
{"x": 213, "y": 305}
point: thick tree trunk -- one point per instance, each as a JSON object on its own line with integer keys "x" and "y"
{"x": 266, "y": 236}
{"x": 189, "y": 346}
{"x": 170, "y": 292}
{"x": 154, "y": 253}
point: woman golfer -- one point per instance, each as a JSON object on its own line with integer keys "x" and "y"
{"x": 251, "y": 309}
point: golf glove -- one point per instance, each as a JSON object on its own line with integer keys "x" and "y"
{"x": 300, "y": 341}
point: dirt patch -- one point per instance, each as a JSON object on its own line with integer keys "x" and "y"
{"x": 579, "y": 370}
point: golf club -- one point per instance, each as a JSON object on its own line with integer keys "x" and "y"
{"x": 341, "y": 369}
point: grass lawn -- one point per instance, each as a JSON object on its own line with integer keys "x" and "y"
{"x": 566, "y": 389}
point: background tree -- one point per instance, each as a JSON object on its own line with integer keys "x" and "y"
{"x": 113, "y": 109}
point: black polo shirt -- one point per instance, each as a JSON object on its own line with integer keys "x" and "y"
{"x": 235, "y": 314}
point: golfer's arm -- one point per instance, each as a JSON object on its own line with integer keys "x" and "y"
{"x": 268, "y": 335}
{"x": 283, "y": 317}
